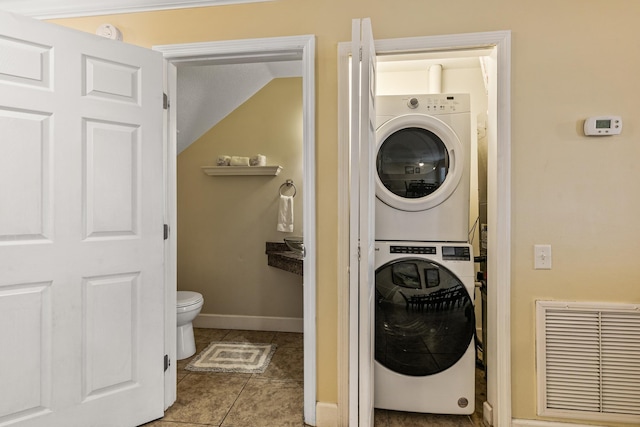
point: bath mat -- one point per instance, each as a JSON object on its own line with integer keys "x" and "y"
{"x": 241, "y": 357}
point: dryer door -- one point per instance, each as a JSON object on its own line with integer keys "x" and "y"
{"x": 419, "y": 162}
{"x": 424, "y": 317}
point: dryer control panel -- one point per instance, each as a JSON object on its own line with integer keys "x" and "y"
{"x": 432, "y": 104}
{"x": 438, "y": 103}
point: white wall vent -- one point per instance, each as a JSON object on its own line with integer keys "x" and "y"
{"x": 588, "y": 361}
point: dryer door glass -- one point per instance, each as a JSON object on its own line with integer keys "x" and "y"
{"x": 424, "y": 317}
{"x": 412, "y": 162}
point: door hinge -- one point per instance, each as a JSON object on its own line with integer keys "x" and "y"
{"x": 167, "y": 362}
{"x": 166, "y": 231}
{"x": 358, "y": 253}
{"x": 360, "y": 54}
{"x": 165, "y": 101}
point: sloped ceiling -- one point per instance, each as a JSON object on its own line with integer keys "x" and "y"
{"x": 208, "y": 93}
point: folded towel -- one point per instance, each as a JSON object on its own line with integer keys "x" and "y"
{"x": 285, "y": 214}
{"x": 258, "y": 160}
{"x": 239, "y": 161}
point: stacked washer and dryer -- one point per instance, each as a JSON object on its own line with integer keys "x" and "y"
{"x": 424, "y": 279}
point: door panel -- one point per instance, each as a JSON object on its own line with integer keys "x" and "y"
{"x": 111, "y": 80}
{"x": 29, "y": 216}
{"x": 111, "y": 180}
{"x": 363, "y": 190}
{"x": 26, "y": 304}
{"x": 81, "y": 229}
{"x": 110, "y": 304}
{"x": 26, "y": 62}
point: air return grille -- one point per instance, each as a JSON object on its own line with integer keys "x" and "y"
{"x": 588, "y": 360}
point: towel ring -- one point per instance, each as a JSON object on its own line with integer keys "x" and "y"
{"x": 288, "y": 184}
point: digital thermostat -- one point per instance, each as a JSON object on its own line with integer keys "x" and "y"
{"x": 603, "y": 125}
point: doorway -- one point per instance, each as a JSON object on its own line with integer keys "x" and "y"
{"x": 299, "y": 48}
{"x": 497, "y": 409}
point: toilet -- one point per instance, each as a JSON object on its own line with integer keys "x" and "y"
{"x": 188, "y": 307}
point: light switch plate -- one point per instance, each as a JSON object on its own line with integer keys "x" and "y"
{"x": 542, "y": 257}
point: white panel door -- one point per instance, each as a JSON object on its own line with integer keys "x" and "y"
{"x": 81, "y": 218}
{"x": 363, "y": 72}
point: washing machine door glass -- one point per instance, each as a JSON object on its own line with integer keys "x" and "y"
{"x": 424, "y": 317}
{"x": 419, "y": 162}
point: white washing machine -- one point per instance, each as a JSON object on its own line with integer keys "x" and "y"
{"x": 422, "y": 164}
{"x": 424, "y": 327}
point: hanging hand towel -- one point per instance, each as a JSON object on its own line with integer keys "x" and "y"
{"x": 285, "y": 214}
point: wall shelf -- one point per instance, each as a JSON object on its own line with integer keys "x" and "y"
{"x": 241, "y": 170}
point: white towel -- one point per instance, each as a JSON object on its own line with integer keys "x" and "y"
{"x": 285, "y": 214}
{"x": 239, "y": 161}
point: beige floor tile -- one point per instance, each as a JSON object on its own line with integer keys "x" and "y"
{"x": 205, "y": 336}
{"x": 181, "y": 374}
{"x": 288, "y": 339}
{"x": 250, "y": 336}
{"x": 267, "y": 403}
{"x": 205, "y": 399}
{"x": 380, "y": 418}
{"x": 162, "y": 423}
{"x": 477, "y": 419}
{"x": 286, "y": 364}
{"x": 412, "y": 419}
{"x": 274, "y": 398}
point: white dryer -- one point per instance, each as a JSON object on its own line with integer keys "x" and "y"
{"x": 424, "y": 327}
{"x": 422, "y": 164}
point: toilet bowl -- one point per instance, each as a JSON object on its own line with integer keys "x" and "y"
{"x": 188, "y": 307}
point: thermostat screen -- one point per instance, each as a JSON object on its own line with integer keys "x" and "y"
{"x": 603, "y": 124}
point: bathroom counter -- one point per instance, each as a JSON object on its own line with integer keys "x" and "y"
{"x": 279, "y": 256}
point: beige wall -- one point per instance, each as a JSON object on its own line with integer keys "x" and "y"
{"x": 570, "y": 59}
{"x": 224, "y": 221}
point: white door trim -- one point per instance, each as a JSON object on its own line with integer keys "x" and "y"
{"x": 45, "y": 9}
{"x": 499, "y": 211}
{"x": 262, "y": 50}
{"x": 171, "y": 245}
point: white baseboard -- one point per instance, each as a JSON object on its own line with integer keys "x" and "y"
{"x": 250, "y": 323}
{"x": 326, "y": 414}
{"x": 538, "y": 423}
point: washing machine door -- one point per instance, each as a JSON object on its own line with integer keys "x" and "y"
{"x": 419, "y": 162}
{"x": 424, "y": 317}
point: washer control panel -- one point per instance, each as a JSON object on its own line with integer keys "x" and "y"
{"x": 420, "y": 250}
{"x": 456, "y": 253}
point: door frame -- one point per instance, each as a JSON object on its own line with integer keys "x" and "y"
{"x": 244, "y": 51}
{"x": 497, "y": 409}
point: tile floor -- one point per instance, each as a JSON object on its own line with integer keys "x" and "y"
{"x": 273, "y": 398}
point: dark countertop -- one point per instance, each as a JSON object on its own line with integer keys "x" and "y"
{"x": 280, "y": 256}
